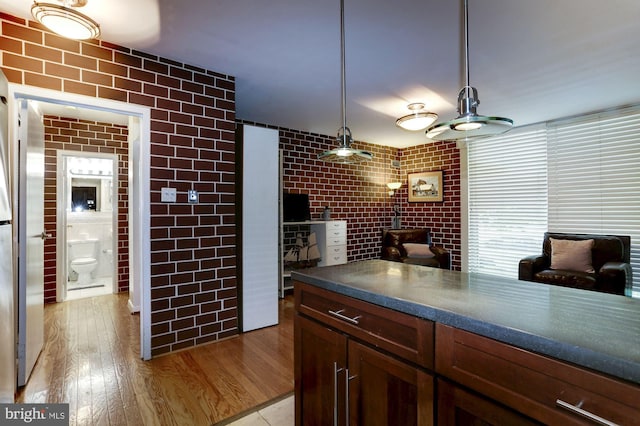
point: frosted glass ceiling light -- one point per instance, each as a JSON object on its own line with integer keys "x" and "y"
{"x": 418, "y": 119}
{"x": 344, "y": 153}
{"x": 66, "y": 21}
{"x": 468, "y": 125}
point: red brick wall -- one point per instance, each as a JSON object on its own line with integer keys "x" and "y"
{"x": 442, "y": 218}
{"x": 358, "y": 193}
{"x": 193, "y": 263}
{"x": 71, "y": 134}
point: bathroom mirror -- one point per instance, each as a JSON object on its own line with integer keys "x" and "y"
{"x": 89, "y": 194}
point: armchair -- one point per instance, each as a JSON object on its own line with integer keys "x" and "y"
{"x": 413, "y": 246}
{"x": 605, "y": 269}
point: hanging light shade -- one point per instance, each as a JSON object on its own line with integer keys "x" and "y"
{"x": 66, "y": 21}
{"x": 418, "y": 119}
{"x": 468, "y": 125}
{"x": 344, "y": 153}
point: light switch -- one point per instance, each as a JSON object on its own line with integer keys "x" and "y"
{"x": 168, "y": 195}
{"x": 193, "y": 196}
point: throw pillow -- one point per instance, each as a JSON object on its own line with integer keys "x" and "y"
{"x": 418, "y": 250}
{"x": 572, "y": 255}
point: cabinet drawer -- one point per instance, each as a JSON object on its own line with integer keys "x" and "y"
{"x": 408, "y": 337}
{"x": 333, "y": 225}
{"x": 337, "y": 257}
{"x": 543, "y": 388}
{"x": 336, "y": 240}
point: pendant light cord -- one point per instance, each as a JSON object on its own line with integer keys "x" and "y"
{"x": 343, "y": 75}
{"x": 466, "y": 47}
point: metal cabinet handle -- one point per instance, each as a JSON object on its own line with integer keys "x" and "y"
{"x": 346, "y": 393}
{"x": 338, "y": 314}
{"x": 584, "y": 413}
{"x": 336, "y": 370}
{"x": 44, "y": 235}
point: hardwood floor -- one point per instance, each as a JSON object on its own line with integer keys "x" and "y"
{"x": 91, "y": 361}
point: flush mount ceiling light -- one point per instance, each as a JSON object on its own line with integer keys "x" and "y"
{"x": 468, "y": 125}
{"x": 344, "y": 153}
{"x": 418, "y": 119}
{"x": 65, "y": 20}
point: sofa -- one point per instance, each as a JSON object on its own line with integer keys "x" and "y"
{"x": 586, "y": 261}
{"x": 413, "y": 246}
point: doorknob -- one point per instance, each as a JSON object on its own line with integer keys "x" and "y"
{"x": 44, "y": 235}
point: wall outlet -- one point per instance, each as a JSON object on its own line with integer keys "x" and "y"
{"x": 193, "y": 196}
{"x": 168, "y": 195}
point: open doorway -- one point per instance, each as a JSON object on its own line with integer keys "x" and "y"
{"x": 138, "y": 119}
{"x": 88, "y": 235}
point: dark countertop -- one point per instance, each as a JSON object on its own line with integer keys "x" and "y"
{"x": 594, "y": 330}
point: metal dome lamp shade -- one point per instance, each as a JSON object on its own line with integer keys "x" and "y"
{"x": 468, "y": 125}
{"x": 66, "y": 21}
{"x": 344, "y": 154}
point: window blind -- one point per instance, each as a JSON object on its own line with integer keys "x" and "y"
{"x": 594, "y": 174}
{"x": 507, "y": 187}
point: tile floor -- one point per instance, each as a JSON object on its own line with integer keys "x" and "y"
{"x": 99, "y": 287}
{"x": 280, "y": 413}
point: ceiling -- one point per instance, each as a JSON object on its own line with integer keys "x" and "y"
{"x": 531, "y": 61}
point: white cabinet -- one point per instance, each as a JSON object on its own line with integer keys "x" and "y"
{"x": 331, "y": 237}
{"x": 332, "y": 241}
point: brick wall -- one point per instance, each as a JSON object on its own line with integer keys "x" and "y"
{"x": 442, "y": 218}
{"x": 358, "y": 193}
{"x": 71, "y": 134}
{"x": 193, "y": 274}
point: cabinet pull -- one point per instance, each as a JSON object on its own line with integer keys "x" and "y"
{"x": 336, "y": 370}
{"x": 338, "y": 314}
{"x": 584, "y": 413}
{"x": 346, "y": 393}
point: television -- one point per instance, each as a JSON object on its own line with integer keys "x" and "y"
{"x": 295, "y": 207}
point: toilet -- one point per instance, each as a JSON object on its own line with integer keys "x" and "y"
{"x": 83, "y": 259}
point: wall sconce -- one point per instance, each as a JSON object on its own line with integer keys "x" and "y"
{"x": 393, "y": 187}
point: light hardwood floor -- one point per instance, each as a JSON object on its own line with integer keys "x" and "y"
{"x": 91, "y": 361}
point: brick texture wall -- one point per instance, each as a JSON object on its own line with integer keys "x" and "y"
{"x": 193, "y": 274}
{"x": 71, "y": 134}
{"x": 359, "y": 195}
{"x": 442, "y": 218}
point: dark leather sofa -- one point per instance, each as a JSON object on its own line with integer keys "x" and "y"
{"x": 610, "y": 256}
{"x": 393, "y": 249}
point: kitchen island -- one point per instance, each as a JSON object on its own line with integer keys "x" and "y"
{"x": 575, "y": 344}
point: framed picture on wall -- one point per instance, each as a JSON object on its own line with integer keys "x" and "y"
{"x": 425, "y": 186}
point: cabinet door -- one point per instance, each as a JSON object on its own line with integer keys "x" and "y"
{"x": 320, "y": 366}
{"x": 385, "y": 391}
{"x": 457, "y": 407}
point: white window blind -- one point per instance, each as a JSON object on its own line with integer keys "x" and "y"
{"x": 594, "y": 174}
{"x": 507, "y": 188}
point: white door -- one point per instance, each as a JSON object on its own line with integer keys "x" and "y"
{"x": 31, "y": 235}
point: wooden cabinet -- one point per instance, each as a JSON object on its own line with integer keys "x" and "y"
{"x": 349, "y": 364}
{"x": 358, "y": 363}
{"x": 541, "y": 388}
{"x": 459, "y": 407}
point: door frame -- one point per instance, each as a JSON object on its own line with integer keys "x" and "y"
{"x": 62, "y": 193}
{"x": 140, "y": 178}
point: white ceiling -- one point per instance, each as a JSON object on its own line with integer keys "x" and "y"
{"x": 531, "y": 61}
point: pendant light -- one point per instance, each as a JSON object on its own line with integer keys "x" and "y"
{"x": 344, "y": 154}
{"x": 64, "y": 20}
{"x": 468, "y": 125}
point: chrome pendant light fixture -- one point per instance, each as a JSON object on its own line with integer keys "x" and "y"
{"x": 65, "y": 20}
{"x": 468, "y": 125}
{"x": 344, "y": 154}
